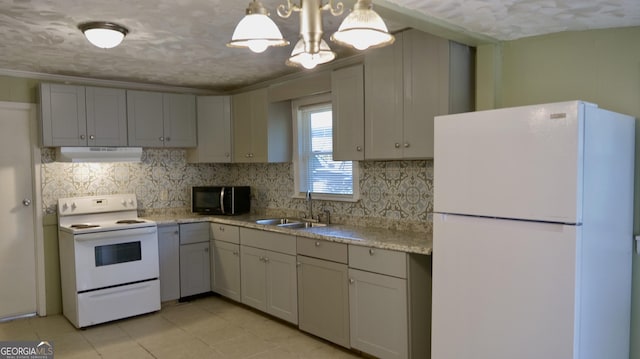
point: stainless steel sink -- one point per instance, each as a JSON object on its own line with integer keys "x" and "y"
{"x": 292, "y": 223}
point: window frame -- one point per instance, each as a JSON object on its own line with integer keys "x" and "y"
{"x": 298, "y": 132}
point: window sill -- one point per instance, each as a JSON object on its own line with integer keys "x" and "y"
{"x": 328, "y": 197}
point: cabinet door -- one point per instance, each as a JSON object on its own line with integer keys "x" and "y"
{"x": 179, "y": 120}
{"x": 250, "y": 126}
{"x": 225, "y": 269}
{"x": 63, "y": 115}
{"x": 347, "y": 98}
{"x": 214, "y": 130}
{"x": 378, "y": 314}
{"x": 169, "y": 253}
{"x": 426, "y": 90}
{"x": 282, "y": 286}
{"x": 384, "y": 102}
{"x": 253, "y": 278}
{"x": 323, "y": 299}
{"x": 195, "y": 269}
{"x": 144, "y": 114}
{"x": 106, "y": 116}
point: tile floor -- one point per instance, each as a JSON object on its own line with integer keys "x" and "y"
{"x": 211, "y": 327}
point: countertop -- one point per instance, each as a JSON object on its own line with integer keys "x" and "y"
{"x": 405, "y": 241}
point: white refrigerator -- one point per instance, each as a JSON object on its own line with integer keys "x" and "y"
{"x": 533, "y": 222}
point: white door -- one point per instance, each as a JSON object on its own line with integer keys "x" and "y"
{"x": 503, "y": 289}
{"x": 523, "y": 162}
{"x": 17, "y": 242}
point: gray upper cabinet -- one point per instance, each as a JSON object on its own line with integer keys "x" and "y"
{"x": 406, "y": 85}
{"x": 214, "y": 130}
{"x": 82, "y": 116}
{"x": 161, "y": 119}
{"x": 347, "y": 98}
{"x": 261, "y": 130}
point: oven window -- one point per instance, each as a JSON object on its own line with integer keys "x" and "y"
{"x": 118, "y": 253}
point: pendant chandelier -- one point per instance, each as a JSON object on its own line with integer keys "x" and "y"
{"x": 363, "y": 28}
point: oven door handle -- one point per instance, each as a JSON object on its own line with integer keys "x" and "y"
{"x": 119, "y": 233}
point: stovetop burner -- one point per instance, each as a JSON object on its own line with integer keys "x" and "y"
{"x": 129, "y": 221}
{"x": 84, "y": 225}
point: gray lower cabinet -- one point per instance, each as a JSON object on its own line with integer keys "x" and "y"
{"x": 268, "y": 273}
{"x": 169, "y": 259}
{"x": 195, "y": 270}
{"x": 323, "y": 291}
{"x": 390, "y": 303}
{"x": 225, "y": 260}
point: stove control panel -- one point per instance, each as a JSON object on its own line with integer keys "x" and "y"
{"x": 97, "y": 204}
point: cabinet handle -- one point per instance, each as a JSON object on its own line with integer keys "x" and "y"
{"x": 92, "y": 137}
{"x": 168, "y": 139}
{"x": 206, "y": 249}
{"x": 247, "y": 155}
{"x": 235, "y": 253}
{"x": 221, "y": 228}
{"x": 176, "y": 232}
{"x": 82, "y": 137}
{"x": 226, "y": 154}
{"x": 261, "y": 258}
{"x": 317, "y": 243}
{"x": 298, "y": 264}
{"x": 406, "y": 145}
{"x": 396, "y": 145}
{"x": 161, "y": 139}
{"x": 359, "y": 148}
{"x": 266, "y": 259}
{"x": 351, "y": 280}
{"x": 251, "y": 155}
{"x": 371, "y": 251}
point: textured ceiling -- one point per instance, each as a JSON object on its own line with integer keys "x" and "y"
{"x": 182, "y": 42}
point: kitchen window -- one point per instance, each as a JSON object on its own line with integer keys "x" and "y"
{"x": 314, "y": 168}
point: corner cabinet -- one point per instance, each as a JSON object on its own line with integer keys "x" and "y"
{"x": 158, "y": 119}
{"x": 409, "y": 83}
{"x": 214, "y": 130}
{"x": 225, "y": 260}
{"x": 261, "y": 130}
{"x": 82, "y": 116}
{"x": 347, "y": 98}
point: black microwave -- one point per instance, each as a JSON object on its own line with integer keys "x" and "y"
{"x": 229, "y": 200}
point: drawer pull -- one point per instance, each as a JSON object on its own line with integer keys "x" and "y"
{"x": 351, "y": 280}
{"x": 371, "y": 251}
{"x": 317, "y": 243}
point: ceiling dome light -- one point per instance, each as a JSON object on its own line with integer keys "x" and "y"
{"x": 256, "y": 31}
{"x": 363, "y": 28}
{"x": 301, "y": 58}
{"x": 103, "y": 34}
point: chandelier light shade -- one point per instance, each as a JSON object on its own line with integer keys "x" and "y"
{"x": 256, "y": 31}
{"x": 102, "y": 34}
{"x": 363, "y": 28}
{"x": 302, "y": 58}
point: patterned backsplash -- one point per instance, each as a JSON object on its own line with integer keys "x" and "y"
{"x": 394, "y": 194}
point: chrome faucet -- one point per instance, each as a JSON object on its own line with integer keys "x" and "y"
{"x": 310, "y": 205}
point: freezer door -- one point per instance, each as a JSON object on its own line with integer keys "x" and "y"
{"x": 503, "y": 289}
{"x": 523, "y": 162}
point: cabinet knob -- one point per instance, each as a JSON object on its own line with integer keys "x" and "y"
{"x": 247, "y": 155}
{"x": 227, "y": 154}
{"x": 406, "y": 145}
{"x": 298, "y": 264}
{"x": 317, "y": 243}
{"x": 266, "y": 259}
{"x": 396, "y": 145}
{"x": 351, "y": 281}
{"x": 371, "y": 251}
{"x": 206, "y": 249}
{"x": 82, "y": 137}
{"x": 359, "y": 148}
{"x": 168, "y": 139}
{"x": 161, "y": 138}
{"x": 251, "y": 155}
{"x": 92, "y": 137}
{"x": 221, "y": 229}
{"x": 235, "y": 253}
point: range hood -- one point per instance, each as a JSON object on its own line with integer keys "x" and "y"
{"x": 98, "y": 154}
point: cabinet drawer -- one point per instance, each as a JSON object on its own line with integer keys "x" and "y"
{"x": 194, "y": 232}
{"x": 337, "y": 252}
{"x": 224, "y": 232}
{"x": 272, "y": 241}
{"x": 376, "y": 260}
